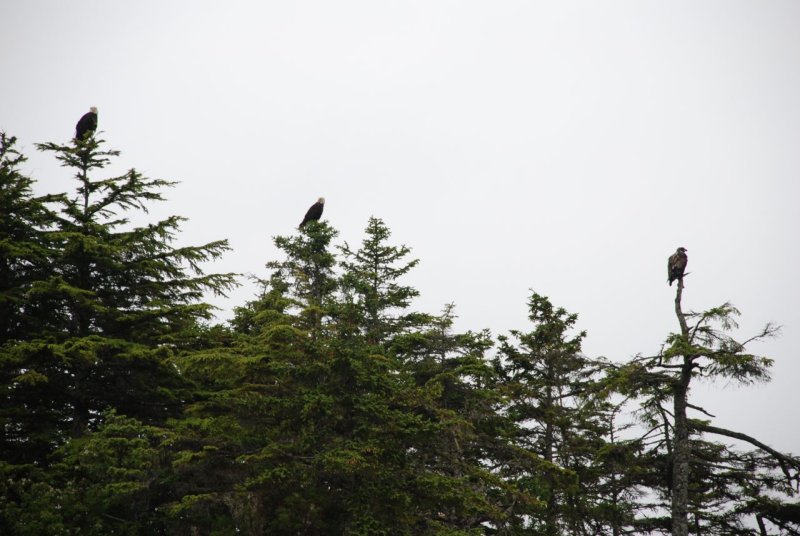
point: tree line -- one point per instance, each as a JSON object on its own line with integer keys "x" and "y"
{"x": 328, "y": 405}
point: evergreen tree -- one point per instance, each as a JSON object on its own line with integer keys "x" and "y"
{"x": 307, "y": 427}
{"x": 306, "y": 276}
{"x": 553, "y": 393}
{"x": 708, "y": 488}
{"x": 118, "y": 279}
{"x": 370, "y": 284}
{"x": 447, "y": 388}
{"x": 116, "y": 302}
{"x": 101, "y": 483}
{"x": 460, "y": 465}
{"x": 326, "y": 427}
{"x": 25, "y": 257}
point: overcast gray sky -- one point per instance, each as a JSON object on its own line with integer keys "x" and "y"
{"x": 565, "y": 147}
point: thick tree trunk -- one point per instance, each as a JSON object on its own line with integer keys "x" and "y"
{"x": 681, "y": 451}
{"x": 680, "y": 462}
{"x": 551, "y": 513}
{"x": 761, "y": 526}
{"x": 615, "y": 491}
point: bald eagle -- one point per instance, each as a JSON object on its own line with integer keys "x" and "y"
{"x": 314, "y": 212}
{"x": 676, "y": 265}
{"x": 86, "y": 124}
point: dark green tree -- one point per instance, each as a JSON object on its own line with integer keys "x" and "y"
{"x": 306, "y": 276}
{"x": 98, "y": 484}
{"x": 447, "y": 387}
{"x": 119, "y": 279}
{"x": 555, "y": 397}
{"x": 334, "y": 411}
{"x": 307, "y": 423}
{"x": 25, "y": 257}
{"x": 371, "y": 287}
{"x": 461, "y": 465}
{"x": 116, "y": 303}
{"x": 708, "y": 487}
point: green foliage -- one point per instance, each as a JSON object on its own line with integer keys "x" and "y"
{"x": 345, "y": 414}
{"x": 722, "y": 483}
{"x": 102, "y": 483}
{"x": 94, "y": 312}
{"x": 25, "y": 254}
{"x": 555, "y": 398}
{"x": 116, "y": 278}
{"x": 327, "y": 405}
{"x": 306, "y": 274}
{"x": 715, "y": 353}
{"x": 370, "y": 287}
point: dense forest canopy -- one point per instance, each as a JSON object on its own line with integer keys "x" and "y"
{"x": 328, "y": 404}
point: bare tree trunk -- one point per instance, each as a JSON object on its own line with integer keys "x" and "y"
{"x": 615, "y": 491}
{"x": 761, "y": 526}
{"x": 551, "y": 526}
{"x": 681, "y": 451}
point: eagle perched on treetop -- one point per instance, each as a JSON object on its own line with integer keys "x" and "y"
{"x": 86, "y": 124}
{"x": 676, "y": 265}
{"x": 314, "y": 212}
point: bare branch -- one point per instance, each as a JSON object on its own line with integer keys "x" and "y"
{"x": 783, "y": 460}
{"x": 698, "y": 408}
{"x": 770, "y": 330}
{"x": 645, "y": 436}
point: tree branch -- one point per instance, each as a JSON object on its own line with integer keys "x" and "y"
{"x": 761, "y": 526}
{"x": 783, "y": 459}
{"x": 698, "y": 408}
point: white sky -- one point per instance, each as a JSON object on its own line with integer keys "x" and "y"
{"x": 566, "y": 147}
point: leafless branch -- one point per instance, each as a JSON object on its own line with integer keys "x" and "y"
{"x": 783, "y": 460}
{"x": 698, "y": 408}
{"x": 646, "y": 435}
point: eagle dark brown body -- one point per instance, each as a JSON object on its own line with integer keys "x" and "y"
{"x": 86, "y": 124}
{"x": 314, "y": 212}
{"x": 676, "y": 265}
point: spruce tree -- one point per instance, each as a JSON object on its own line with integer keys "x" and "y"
{"x": 553, "y": 394}
{"x": 302, "y": 425}
{"x": 371, "y": 284}
{"x": 94, "y": 384}
{"x": 25, "y": 256}
{"x": 707, "y": 486}
{"x": 447, "y": 389}
{"x": 102, "y": 483}
{"x": 119, "y": 279}
{"x": 116, "y": 301}
{"x": 335, "y": 411}
{"x": 26, "y": 260}
{"x": 307, "y": 275}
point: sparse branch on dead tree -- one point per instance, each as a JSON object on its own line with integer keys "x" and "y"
{"x": 786, "y": 462}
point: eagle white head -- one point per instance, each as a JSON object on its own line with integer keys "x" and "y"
{"x": 321, "y": 200}
{"x": 93, "y": 109}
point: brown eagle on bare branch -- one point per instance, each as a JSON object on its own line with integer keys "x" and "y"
{"x": 676, "y": 265}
